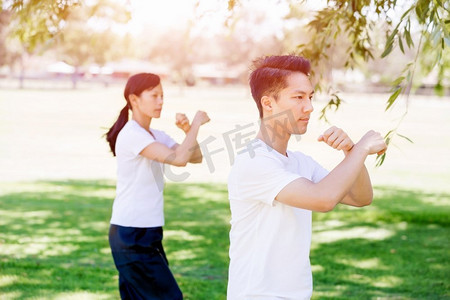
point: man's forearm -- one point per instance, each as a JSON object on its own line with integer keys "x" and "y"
{"x": 361, "y": 192}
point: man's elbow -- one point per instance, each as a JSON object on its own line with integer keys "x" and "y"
{"x": 361, "y": 202}
{"x": 326, "y": 201}
{"x": 366, "y": 202}
{"x": 326, "y": 206}
{"x": 366, "y": 199}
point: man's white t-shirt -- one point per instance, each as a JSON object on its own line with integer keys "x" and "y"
{"x": 140, "y": 181}
{"x": 269, "y": 241}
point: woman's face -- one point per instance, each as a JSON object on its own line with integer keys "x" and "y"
{"x": 150, "y": 102}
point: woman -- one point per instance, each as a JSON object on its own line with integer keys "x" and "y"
{"x": 136, "y": 232}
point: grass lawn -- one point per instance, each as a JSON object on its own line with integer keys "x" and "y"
{"x": 53, "y": 243}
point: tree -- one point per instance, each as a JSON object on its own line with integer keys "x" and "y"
{"x": 4, "y": 20}
{"x": 355, "y": 20}
{"x": 35, "y": 23}
{"x": 40, "y": 24}
{"x": 87, "y": 35}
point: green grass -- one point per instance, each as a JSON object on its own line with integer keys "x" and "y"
{"x": 53, "y": 243}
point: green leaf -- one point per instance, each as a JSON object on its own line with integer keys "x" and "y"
{"x": 400, "y": 44}
{"x": 439, "y": 89}
{"x": 390, "y": 42}
{"x": 392, "y": 36}
{"x": 390, "y": 132}
{"x": 408, "y": 38}
{"x": 387, "y": 50}
{"x": 405, "y": 13}
{"x": 447, "y": 40}
{"x": 405, "y": 137}
{"x": 393, "y": 97}
{"x": 380, "y": 159}
{"x": 422, "y": 10}
{"x": 398, "y": 81}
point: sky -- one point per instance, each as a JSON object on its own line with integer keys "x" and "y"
{"x": 209, "y": 16}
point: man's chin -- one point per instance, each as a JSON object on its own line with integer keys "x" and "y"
{"x": 299, "y": 131}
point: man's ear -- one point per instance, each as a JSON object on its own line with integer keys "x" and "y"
{"x": 266, "y": 103}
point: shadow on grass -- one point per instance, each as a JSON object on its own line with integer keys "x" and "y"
{"x": 196, "y": 238}
{"x": 397, "y": 248}
{"x": 53, "y": 239}
{"x": 53, "y": 243}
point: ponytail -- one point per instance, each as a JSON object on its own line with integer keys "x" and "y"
{"x": 111, "y": 135}
{"x": 136, "y": 84}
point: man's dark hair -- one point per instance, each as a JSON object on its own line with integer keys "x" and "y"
{"x": 269, "y": 75}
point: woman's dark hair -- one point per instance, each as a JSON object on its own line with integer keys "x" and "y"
{"x": 135, "y": 86}
{"x": 269, "y": 75}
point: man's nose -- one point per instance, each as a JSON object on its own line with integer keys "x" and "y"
{"x": 308, "y": 106}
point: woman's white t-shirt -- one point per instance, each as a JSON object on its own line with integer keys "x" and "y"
{"x": 269, "y": 241}
{"x": 140, "y": 181}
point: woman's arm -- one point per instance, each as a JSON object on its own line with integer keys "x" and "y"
{"x": 182, "y": 154}
{"x": 182, "y": 122}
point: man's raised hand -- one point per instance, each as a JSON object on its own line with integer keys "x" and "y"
{"x": 373, "y": 143}
{"x": 336, "y": 138}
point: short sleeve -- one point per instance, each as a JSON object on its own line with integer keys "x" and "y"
{"x": 133, "y": 140}
{"x": 163, "y": 138}
{"x": 318, "y": 172}
{"x": 258, "y": 178}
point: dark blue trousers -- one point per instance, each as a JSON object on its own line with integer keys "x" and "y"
{"x": 142, "y": 264}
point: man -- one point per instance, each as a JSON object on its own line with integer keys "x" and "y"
{"x": 273, "y": 191}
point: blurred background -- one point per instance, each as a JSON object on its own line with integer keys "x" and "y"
{"x": 65, "y": 63}
{"x": 194, "y": 42}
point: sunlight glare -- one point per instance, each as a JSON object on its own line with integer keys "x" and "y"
{"x": 159, "y": 14}
{"x": 181, "y": 235}
{"x": 388, "y": 282}
{"x": 81, "y": 295}
{"x": 11, "y": 295}
{"x": 353, "y": 233}
{"x": 8, "y": 280}
{"x": 184, "y": 254}
{"x": 371, "y": 263}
